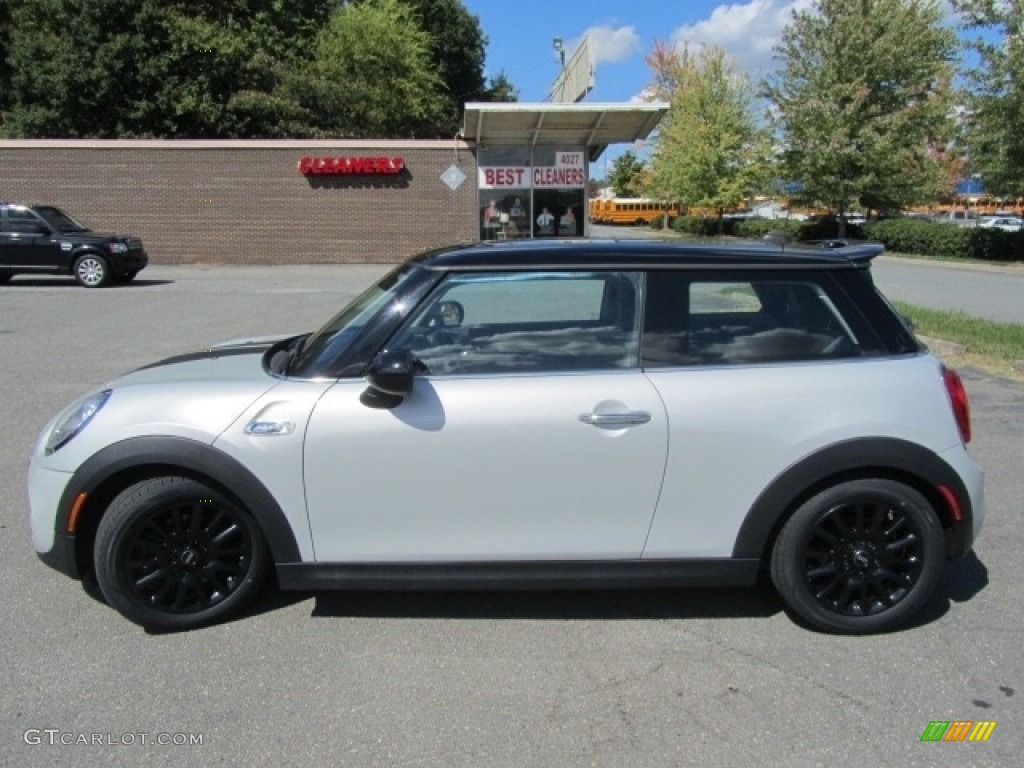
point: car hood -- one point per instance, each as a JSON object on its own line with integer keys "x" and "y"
{"x": 231, "y": 364}
{"x": 195, "y": 396}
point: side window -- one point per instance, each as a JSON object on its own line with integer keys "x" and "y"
{"x": 695, "y": 321}
{"x": 498, "y": 323}
{"x": 22, "y": 221}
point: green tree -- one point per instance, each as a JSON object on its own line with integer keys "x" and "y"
{"x": 372, "y": 75}
{"x": 79, "y": 68}
{"x": 994, "y": 121}
{"x": 457, "y": 48}
{"x": 107, "y": 68}
{"x": 711, "y": 151}
{"x": 863, "y": 101}
{"x": 5, "y": 71}
{"x": 626, "y": 176}
{"x": 500, "y": 88}
{"x": 239, "y": 68}
{"x": 227, "y": 65}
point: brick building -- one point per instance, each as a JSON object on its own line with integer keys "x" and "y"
{"x": 340, "y": 201}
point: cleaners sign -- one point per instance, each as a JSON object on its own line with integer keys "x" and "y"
{"x": 344, "y": 166}
{"x": 567, "y": 173}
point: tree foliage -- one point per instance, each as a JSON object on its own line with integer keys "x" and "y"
{"x": 500, "y": 88}
{"x": 863, "y": 101}
{"x": 994, "y": 120}
{"x": 5, "y": 72}
{"x": 107, "y": 68}
{"x": 711, "y": 151}
{"x": 238, "y": 68}
{"x": 456, "y": 50}
{"x": 627, "y": 175}
{"x": 372, "y": 74}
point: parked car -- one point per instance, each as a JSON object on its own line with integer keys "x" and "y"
{"x": 1005, "y": 223}
{"x": 959, "y": 218}
{"x": 43, "y": 239}
{"x": 534, "y": 414}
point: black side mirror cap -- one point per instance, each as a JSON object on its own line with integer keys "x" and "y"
{"x": 390, "y": 377}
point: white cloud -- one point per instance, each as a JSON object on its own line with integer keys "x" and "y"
{"x": 746, "y": 31}
{"x": 610, "y": 44}
{"x": 749, "y": 31}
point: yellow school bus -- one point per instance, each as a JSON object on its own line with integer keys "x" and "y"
{"x": 628, "y": 210}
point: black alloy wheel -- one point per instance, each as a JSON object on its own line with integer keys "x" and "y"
{"x": 860, "y": 557}
{"x": 172, "y": 554}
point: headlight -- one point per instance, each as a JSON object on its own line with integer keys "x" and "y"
{"x": 75, "y": 420}
{"x": 118, "y": 247}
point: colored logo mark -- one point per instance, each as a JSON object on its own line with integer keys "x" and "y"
{"x": 958, "y": 730}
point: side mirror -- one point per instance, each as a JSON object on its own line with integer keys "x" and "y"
{"x": 390, "y": 378}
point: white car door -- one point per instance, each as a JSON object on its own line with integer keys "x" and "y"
{"x": 532, "y": 434}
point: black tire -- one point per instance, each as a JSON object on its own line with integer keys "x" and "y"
{"x": 173, "y": 554}
{"x": 860, "y": 557}
{"x": 5, "y": 277}
{"x": 92, "y": 271}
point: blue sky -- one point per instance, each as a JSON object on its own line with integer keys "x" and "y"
{"x": 520, "y": 34}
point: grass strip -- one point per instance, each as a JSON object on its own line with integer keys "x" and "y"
{"x": 1002, "y": 344}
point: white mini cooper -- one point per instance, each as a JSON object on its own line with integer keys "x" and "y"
{"x": 534, "y": 415}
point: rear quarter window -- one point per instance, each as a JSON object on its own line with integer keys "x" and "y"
{"x": 758, "y": 317}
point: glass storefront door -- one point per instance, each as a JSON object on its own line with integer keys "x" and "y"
{"x": 531, "y": 192}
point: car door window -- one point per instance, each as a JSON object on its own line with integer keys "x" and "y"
{"x": 23, "y": 222}
{"x": 534, "y": 322}
{"x": 693, "y": 321}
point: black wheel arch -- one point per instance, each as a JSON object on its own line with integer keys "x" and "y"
{"x": 105, "y": 474}
{"x": 879, "y": 457}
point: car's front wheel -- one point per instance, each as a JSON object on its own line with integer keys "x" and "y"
{"x": 860, "y": 557}
{"x": 92, "y": 271}
{"x": 174, "y": 554}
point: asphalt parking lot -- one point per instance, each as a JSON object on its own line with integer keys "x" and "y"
{"x": 663, "y": 678}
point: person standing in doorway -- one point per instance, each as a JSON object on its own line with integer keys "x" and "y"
{"x": 491, "y": 220}
{"x": 567, "y": 224}
{"x": 545, "y": 223}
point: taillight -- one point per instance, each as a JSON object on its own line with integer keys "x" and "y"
{"x": 958, "y": 400}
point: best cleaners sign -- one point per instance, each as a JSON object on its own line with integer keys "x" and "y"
{"x": 567, "y": 173}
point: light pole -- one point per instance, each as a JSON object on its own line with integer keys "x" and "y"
{"x": 560, "y": 47}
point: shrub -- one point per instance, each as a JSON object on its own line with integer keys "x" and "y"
{"x": 757, "y": 228}
{"x": 696, "y": 225}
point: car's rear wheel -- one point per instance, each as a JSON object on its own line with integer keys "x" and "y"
{"x": 860, "y": 557}
{"x": 92, "y": 271}
{"x": 174, "y": 554}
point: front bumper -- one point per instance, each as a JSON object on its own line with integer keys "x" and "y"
{"x": 56, "y": 548}
{"x": 131, "y": 261}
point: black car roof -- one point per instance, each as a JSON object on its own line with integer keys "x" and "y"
{"x": 632, "y": 253}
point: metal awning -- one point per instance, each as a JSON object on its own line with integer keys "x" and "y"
{"x": 594, "y": 126}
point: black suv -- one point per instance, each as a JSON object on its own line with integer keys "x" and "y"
{"x": 43, "y": 239}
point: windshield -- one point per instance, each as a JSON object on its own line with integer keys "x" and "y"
{"x": 339, "y": 332}
{"x": 59, "y": 220}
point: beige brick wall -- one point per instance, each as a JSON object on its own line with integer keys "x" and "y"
{"x": 246, "y": 202}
